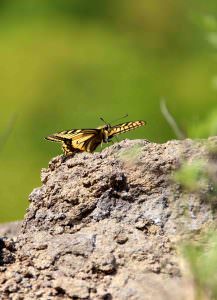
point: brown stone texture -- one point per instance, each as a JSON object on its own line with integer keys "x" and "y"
{"x": 107, "y": 225}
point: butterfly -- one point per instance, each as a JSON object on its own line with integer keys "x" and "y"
{"x": 80, "y": 140}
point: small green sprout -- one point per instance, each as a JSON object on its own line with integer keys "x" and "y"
{"x": 201, "y": 257}
{"x": 192, "y": 176}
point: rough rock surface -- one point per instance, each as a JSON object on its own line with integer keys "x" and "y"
{"x": 106, "y": 226}
{"x": 11, "y": 229}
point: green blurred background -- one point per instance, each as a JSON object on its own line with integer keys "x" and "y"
{"x": 66, "y": 63}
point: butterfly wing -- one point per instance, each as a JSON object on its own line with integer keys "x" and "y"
{"x": 77, "y": 140}
{"x": 124, "y": 127}
{"x": 88, "y": 141}
{"x": 67, "y": 147}
{"x": 74, "y": 134}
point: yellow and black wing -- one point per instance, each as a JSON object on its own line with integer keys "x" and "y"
{"x": 124, "y": 127}
{"x": 77, "y": 140}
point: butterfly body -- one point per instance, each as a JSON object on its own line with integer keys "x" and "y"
{"x": 79, "y": 140}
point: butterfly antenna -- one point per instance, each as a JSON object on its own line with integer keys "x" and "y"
{"x": 103, "y": 121}
{"x": 125, "y": 116}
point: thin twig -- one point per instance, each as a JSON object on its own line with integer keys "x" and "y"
{"x": 171, "y": 121}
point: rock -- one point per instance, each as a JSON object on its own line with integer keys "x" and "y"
{"x": 106, "y": 225}
{"x": 74, "y": 288}
{"x": 11, "y": 229}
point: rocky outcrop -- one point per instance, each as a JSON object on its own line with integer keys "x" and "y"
{"x": 11, "y": 229}
{"x": 106, "y": 225}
